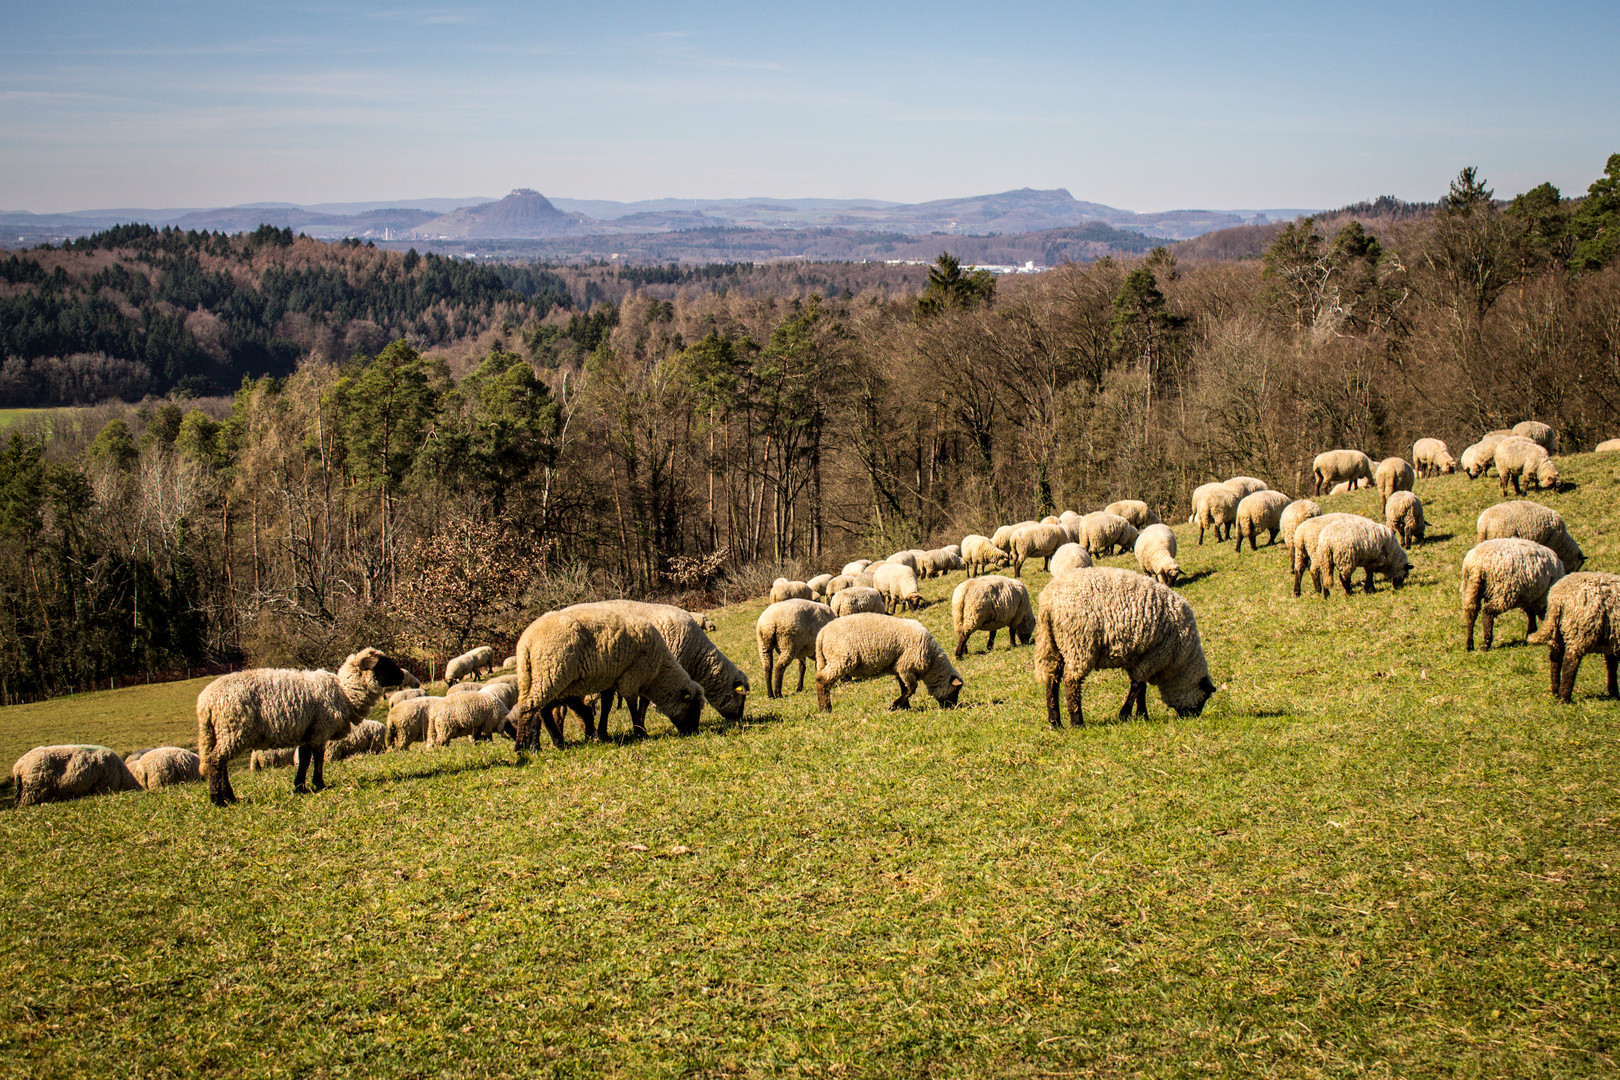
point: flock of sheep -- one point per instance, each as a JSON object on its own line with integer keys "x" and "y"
{"x": 851, "y": 625}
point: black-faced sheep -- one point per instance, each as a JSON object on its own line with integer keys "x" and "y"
{"x": 991, "y": 603}
{"x": 1503, "y": 575}
{"x": 1214, "y": 506}
{"x": 1583, "y": 616}
{"x": 787, "y": 632}
{"x": 1356, "y": 543}
{"x": 1259, "y": 512}
{"x": 725, "y": 686}
{"x": 58, "y": 773}
{"x": 1531, "y": 521}
{"x": 1520, "y": 458}
{"x": 1156, "y": 554}
{"x": 1332, "y": 466}
{"x": 865, "y": 646}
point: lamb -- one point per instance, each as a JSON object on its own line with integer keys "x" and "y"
{"x": 1404, "y": 513}
{"x": 1244, "y": 486}
{"x": 1518, "y": 457}
{"x": 787, "y": 632}
{"x": 725, "y": 686}
{"x": 1482, "y": 455}
{"x": 981, "y": 555}
{"x": 1538, "y": 433}
{"x": 480, "y": 715}
{"x": 1344, "y": 546}
{"x": 1108, "y": 618}
{"x": 898, "y": 584}
{"x": 991, "y": 603}
{"x": 407, "y": 723}
{"x": 366, "y": 737}
{"x": 1214, "y": 506}
{"x": 1531, "y": 521}
{"x": 1294, "y": 513}
{"x": 853, "y": 568}
{"x": 1135, "y": 511}
{"x": 1068, "y": 557}
{"x": 1304, "y": 541}
{"x": 591, "y": 649}
{"x": 1332, "y": 466}
{"x": 405, "y": 695}
{"x": 1394, "y": 474}
{"x": 1260, "y": 512}
{"x": 1344, "y": 487}
{"x": 783, "y": 589}
{"x": 1583, "y": 616}
{"x": 867, "y": 645}
{"x": 818, "y": 586}
{"x": 1503, "y": 575}
{"x": 1104, "y": 532}
{"x": 853, "y": 601}
{"x": 59, "y": 773}
{"x": 1607, "y": 446}
{"x": 164, "y": 767}
{"x": 1036, "y": 540}
{"x": 1432, "y": 457}
{"x": 469, "y": 663}
{"x": 1156, "y": 554}
{"x": 268, "y": 709}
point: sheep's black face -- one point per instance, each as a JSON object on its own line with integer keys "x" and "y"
{"x": 952, "y": 692}
{"x": 736, "y": 701}
{"x": 1206, "y": 690}
{"x": 1399, "y": 577}
{"x": 387, "y": 672}
{"x": 691, "y": 712}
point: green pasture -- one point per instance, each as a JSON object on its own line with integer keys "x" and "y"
{"x": 1373, "y": 854}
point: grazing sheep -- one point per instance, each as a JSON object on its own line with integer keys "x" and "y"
{"x": 898, "y": 584}
{"x": 991, "y": 603}
{"x": 1244, "y": 486}
{"x": 464, "y": 688}
{"x": 1607, "y": 446}
{"x": 818, "y": 586}
{"x": 1583, "y": 616}
{"x": 1531, "y": 521}
{"x": 853, "y": 601}
{"x": 1518, "y": 457}
{"x": 981, "y": 555}
{"x": 1051, "y": 519}
{"x": 784, "y": 589}
{"x": 1332, "y": 466}
{"x": 1036, "y": 540}
{"x": 366, "y": 737}
{"x": 1103, "y": 532}
{"x": 509, "y": 664}
{"x": 510, "y": 678}
{"x": 947, "y": 560}
{"x": 853, "y": 568}
{"x": 1108, "y": 618}
{"x": 1214, "y": 506}
{"x": 1503, "y": 575}
{"x": 1344, "y": 546}
{"x": 725, "y": 686}
{"x": 591, "y": 649}
{"x": 1294, "y": 513}
{"x": 59, "y": 773}
{"x": 273, "y": 759}
{"x": 1156, "y": 554}
{"x": 470, "y": 663}
{"x": 1069, "y": 517}
{"x": 479, "y": 715}
{"x": 269, "y": 709}
{"x": 1304, "y": 541}
{"x": 839, "y": 584}
{"x": 1538, "y": 433}
{"x": 1257, "y": 513}
{"x": 1482, "y": 455}
{"x": 1404, "y": 513}
{"x": 867, "y": 645}
{"x": 903, "y": 558}
{"x": 1135, "y": 511}
{"x": 506, "y": 692}
{"x": 1068, "y": 557}
{"x": 163, "y": 767}
{"x": 1344, "y": 487}
{"x": 1394, "y": 474}
{"x": 787, "y": 632}
{"x": 1002, "y": 537}
{"x": 1432, "y": 457}
{"x": 405, "y": 695}
{"x": 407, "y": 723}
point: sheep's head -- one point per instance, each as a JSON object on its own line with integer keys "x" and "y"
{"x": 1172, "y": 575}
{"x": 689, "y": 709}
{"x": 1189, "y": 702}
{"x": 381, "y": 668}
{"x": 953, "y": 690}
{"x": 732, "y": 705}
{"x": 1545, "y": 473}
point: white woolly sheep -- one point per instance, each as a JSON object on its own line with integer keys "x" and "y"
{"x": 470, "y": 663}
{"x": 1135, "y": 511}
{"x": 992, "y": 603}
{"x": 274, "y": 759}
{"x": 1068, "y": 557}
{"x": 1394, "y": 474}
{"x": 1538, "y": 433}
{"x": 1051, "y": 519}
{"x": 165, "y": 766}
{"x": 405, "y": 695}
{"x": 464, "y": 688}
{"x": 1214, "y": 506}
{"x": 790, "y": 590}
{"x": 1432, "y": 457}
{"x": 1583, "y": 616}
{"x": 1103, "y": 532}
{"x": 853, "y": 568}
{"x": 1332, "y": 466}
{"x": 1108, "y": 618}
{"x": 947, "y": 560}
{"x": 58, "y": 773}
{"x": 725, "y": 686}
{"x": 479, "y": 715}
{"x": 366, "y": 737}
{"x": 1482, "y": 455}
{"x": 1344, "y": 487}
{"x": 981, "y": 555}
{"x": 407, "y": 723}
{"x": 903, "y": 558}
{"x": 1303, "y": 543}
{"x": 787, "y": 632}
{"x": 270, "y": 708}
{"x": 509, "y": 664}
{"x": 1069, "y": 517}
{"x": 1034, "y": 541}
{"x": 510, "y": 679}
{"x": 1520, "y": 458}
{"x": 1503, "y": 575}
{"x": 868, "y": 645}
{"x": 505, "y": 692}
{"x": 1294, "y": 513}
{"x": 1257, "y": 513}
{"x": 1356, "y": 543}
{"x": 1531, "y": 521}
{"x": 856, "y": 600}
{"x": 1244, "y": 486}
{"x": 1002, "y": 537}
{"x": 839, "y": 584}
{"x": 1607, "y": 446}
{"x": 1404, "y": 513}
{"x": 1156, "y": 554}
{"x": 818, "y": 586}
{"x": 898, "y": 584}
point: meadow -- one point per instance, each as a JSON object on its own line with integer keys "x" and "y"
{"x": 1373, "y": 854}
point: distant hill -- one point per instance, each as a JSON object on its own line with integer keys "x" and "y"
{"x": 525, "y": 214}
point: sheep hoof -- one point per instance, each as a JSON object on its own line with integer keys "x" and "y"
{"x": 300, "y": 789}
{"x": 899, "y": 704}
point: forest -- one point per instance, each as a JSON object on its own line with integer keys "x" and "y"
{"x": 423, "y": 452}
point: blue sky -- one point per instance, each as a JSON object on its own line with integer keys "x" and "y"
{"x": 1145, "y": 107}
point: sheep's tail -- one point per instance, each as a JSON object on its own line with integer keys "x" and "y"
{"x": 1547, "y": 632}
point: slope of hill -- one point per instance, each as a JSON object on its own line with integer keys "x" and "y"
{"x": 524, "y": 214}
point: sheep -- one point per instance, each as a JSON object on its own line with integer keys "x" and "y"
{"x": 1531, "y": 521}
{"x": 1069, "y": 517}
{"x": 591, "y": 649}
{"x": 1135, "y": 511}
{"x": 787, "y": 632}
{"x": 981, "y": 555}
{"x": 903, "y": 558}
{"x": 867, "y": 645}
{"x": 510, "y": 678}
{"x": 1482, "y": 455}
{"x": 1214, "y": 506}
{"x": 479, "y": 715}
{"x": 1538, "y": 433}
{"x": 839, "y": 584}
{"x": 509, "y": 664}
{"x": 407, "y": 723}
{"x": 1518, "y": 457}
{"x": 1583, "y": 616}
{"x": 1404, "y": 513}
{"x": 469, "y": 663}
{"x": 1344, "y": 546}
{"x": 1332, "y": 466}
{"x": 818, "y": 586}
{"x": 1156, "y": 554}
{"x": 1104, "y": 532}
{"x": 1260, "y": 512}
{"x": 366, "y": 737}
{"x": 405, "y": 695}
{"x": 784, "y": 589}
{"x": 1294, "y": 513}
{"x": 505, "y": 692}
{"x": 898, "y": 584}
{"x": 725, "y": 686}
{"x": 1108, "y": 618}
{"x": 855, "y": 567}
{"x": 163, "y": 767}
{"x": 273, "y": 759}
{"x": 1068, "y": 557}
{"x": 1002, "y": 537}
{"x": 1244, "y": 486}
{"x": 1432, "y": 457}
{"x": 1036, "y": 540}
{"x": 945, "y": 560}
{"x": 464, "y": 688}
{"x": 1503, "y": 575}
{"x": 1394, "y": 474}
{"x": 932, "y": 563}
{"x": 991, "y": 603}
{"x": 58, "y": 773}
{"x": 853, "y": 601}
{"x": 1051, "y": 519}
{"x": 1344, "y": 487}
{"x": 1607, "y": 446}
{"x": 1303, "y": 542}
{"x": 268, "y": 709}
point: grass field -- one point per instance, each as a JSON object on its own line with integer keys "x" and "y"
{"x": 9, "y": 418}
{"x": 1374, "y": 854}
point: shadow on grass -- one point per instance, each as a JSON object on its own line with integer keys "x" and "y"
{"x": 1188, "y": 579}
{"x": 428, "y": 769}
{"x": 1436, "y": 538}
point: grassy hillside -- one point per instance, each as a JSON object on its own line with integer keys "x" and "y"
{"x": 1373, "y": 853}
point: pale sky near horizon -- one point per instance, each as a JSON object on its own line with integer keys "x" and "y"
{"x": 1169, "y": 106}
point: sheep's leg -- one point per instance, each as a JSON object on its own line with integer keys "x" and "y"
{"x": 1071, "y": 691}
{"x": 220, "y": 792}
{"x": 638, "y": 717}
{"x": 823, "y": 694}
{"x": 1131, "y": 697}
{"x": 1299, "y": 572}
{"x": 550, "y": 716}
{"x": 302, "y": 755}
{"x": 1489, "y": 630}
{"x": 1612, "y": 661}
{"x": 1470, "y": 613}
{"x": 1053, "y": 716}
{"x": 991, "y": 643}
{"x": 1201, "y": 534}
{"x": 1566, "y": 684}
{"x": 800, "y": 690}
{"x": 1369, "y": 582}
{"x": 601, "y": 729}
{"x": 904, "y": 700}
{"x": 317, "y": 757}
{"x": 1240, "y": 542}
{"x": 778, "y": 672}
{"x": 1555, "y": 660}
{"x": 961, "y": 644}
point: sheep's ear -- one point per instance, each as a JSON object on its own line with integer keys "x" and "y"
{"x": 1207, "y": 685}
{"x": 368, "y": 659}
{"x": 956, "y": 682}
{"x": 741, "y": 689}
